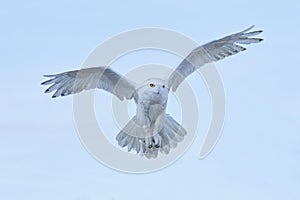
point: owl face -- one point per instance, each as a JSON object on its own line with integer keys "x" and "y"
{"x": 154, "y": 89}
{"x": 156, "y": 86}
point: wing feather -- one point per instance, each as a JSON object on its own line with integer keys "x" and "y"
{"x": 72, "y": 82}
{"x": 212, "y": 52}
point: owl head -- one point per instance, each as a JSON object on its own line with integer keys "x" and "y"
{"x": 154, "y": 88}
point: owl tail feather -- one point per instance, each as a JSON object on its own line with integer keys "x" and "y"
{"x": 170, "y": 135}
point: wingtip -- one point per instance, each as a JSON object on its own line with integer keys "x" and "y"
{"x": 249, "y": 28}
{"x": 252, "y": 26}
{"x": 47, "y": 75}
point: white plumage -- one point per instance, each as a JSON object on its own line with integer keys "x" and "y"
{"x": 151, "y": 130}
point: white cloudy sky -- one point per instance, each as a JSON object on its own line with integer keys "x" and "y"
{"x": 258, "y": 155}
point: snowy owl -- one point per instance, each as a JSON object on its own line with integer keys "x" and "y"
{"x": 151, "y": 130}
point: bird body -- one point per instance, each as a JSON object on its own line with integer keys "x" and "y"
{"x": 151, "y": 130}
{"x": 145, "y": 130}
{"x": 152, "y": 97}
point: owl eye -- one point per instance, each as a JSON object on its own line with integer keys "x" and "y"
{"x": 152, "y": 85}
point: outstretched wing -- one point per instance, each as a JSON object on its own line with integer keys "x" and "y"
{"x": 72, "y": 82}
{"x": 212, "y": 52}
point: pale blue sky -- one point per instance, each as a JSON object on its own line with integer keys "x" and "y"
{"x": 258, "y": 155}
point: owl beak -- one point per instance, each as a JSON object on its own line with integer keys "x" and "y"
{"x": 158, "y": 90}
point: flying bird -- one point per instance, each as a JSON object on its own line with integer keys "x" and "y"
{"x": 151, "y": 130}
